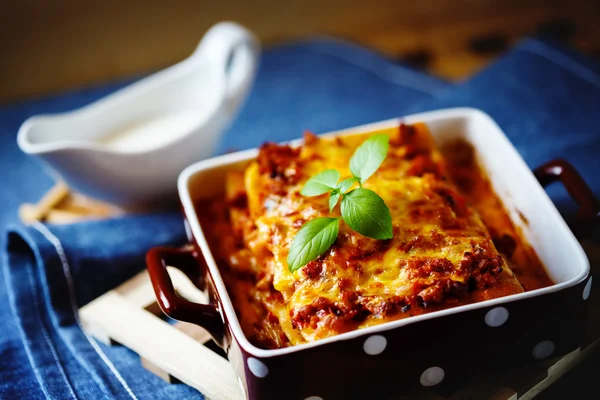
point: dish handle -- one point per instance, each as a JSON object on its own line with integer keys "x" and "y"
{"x": 204, "y": 315}
{"x": 560, "y": 170}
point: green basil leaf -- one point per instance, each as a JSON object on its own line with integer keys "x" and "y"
{"x": 321, "y": 183}
{"x": 366, "y": 213}
{"x": 346, "y": 184}
{"x": 369, "y": 156}
{"x": 333, "y": 200}
{"x": 313, "y": 239}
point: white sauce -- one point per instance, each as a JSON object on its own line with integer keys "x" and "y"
{"x": 150, "y": 133}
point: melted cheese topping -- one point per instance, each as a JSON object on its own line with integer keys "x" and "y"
{"x": 441, "y": 254}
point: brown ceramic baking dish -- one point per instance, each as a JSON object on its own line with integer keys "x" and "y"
{"x": 441, "y": 349}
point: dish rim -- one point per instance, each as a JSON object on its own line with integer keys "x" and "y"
{"x": 225, "y": 304}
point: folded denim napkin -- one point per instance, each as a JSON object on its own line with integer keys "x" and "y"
{"x": 543, "y": 96}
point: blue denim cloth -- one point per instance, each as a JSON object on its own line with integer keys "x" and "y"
{"x": 545, "y": 98}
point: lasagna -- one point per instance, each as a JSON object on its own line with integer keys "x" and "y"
{"x": 452, "y": 242}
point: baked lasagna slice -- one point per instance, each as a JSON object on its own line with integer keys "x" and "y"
{"x": 441, "y": 254}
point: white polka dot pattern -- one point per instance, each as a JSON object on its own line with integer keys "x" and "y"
{"x": 374, "y": 345}
{"x": 432, "y": 376}
{"x": 257, "y": 367}
{"x": 587, "y": 289}
{"x": 543, "y": 350}
{"x": 314, "y": 398}
{"x": 496, "y": 317}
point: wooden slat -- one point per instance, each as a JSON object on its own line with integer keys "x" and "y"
{"x": 30, "y": 213}
{"x": 158, "y": 371}
{"x": 194, "y": 331}
{"x": 138, "y": 289}
{"x": 563, "y": 366}
{"x": 113, "y": 315}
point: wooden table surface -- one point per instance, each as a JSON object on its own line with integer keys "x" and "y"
{"x": 49, "y": 46}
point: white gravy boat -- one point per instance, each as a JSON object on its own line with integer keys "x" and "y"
{"x": 129, "y": 147}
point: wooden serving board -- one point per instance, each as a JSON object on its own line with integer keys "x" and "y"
{"x": 130, "y": 316}
{"x": 182, "y": 352}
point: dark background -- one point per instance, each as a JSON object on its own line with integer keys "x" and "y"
{"x": 48, "y": 46}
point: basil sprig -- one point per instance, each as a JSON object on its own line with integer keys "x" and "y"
{"x": 315, "y": 237}
{"x": 369, "y": 156}
{"x": 367, "y": 214}
{"x": 362, "y": 209}
{"x": 321, "y": 183}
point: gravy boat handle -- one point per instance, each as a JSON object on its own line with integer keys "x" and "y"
{"x": 235, "y": 51}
